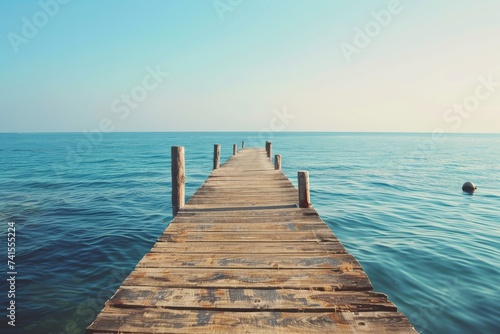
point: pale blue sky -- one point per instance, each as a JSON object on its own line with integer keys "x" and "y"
{"x": 231, "y": 69}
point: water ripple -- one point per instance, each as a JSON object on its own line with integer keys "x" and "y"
{"x": 83, "y": 227}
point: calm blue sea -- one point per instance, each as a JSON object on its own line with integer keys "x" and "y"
{"x": 87, "y": 208}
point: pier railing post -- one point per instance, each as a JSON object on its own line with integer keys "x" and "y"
{"x": 178, "y": 178}
{"x": 269, "y": 149}
{"x": 235, "y": 149}
{"x": 304, "y": 196}
{"x": 277, "y": 162}
{"x": 243, "y": 144}
{"x": 216, "y": 156}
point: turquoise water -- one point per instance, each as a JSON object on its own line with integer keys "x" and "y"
{"x": 87, "y": 210}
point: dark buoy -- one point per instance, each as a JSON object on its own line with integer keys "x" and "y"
{"x": 469, "y": 187}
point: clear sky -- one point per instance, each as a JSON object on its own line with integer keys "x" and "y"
{"x": 235, "y": 65}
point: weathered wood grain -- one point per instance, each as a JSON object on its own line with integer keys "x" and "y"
{"x": 178, "y": 179}
{"x": 312, "y": 236}
{"x": 249, "y": 261}
{"x": 242, "y": 257}
{"x": 254, "y": 248}
{"x": 317, "y": 279}
{"x": 207, "y": 211}
{"x": 120, "y": 320}
{"x": 277, "y": 162}
{"x": 216, "y": 156}
{"x": 287, "y": 222}
{"x": 246, "y": 225}
{"x": 284, "y": 300}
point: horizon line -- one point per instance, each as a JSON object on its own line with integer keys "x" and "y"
{"x": 248, "y": 131}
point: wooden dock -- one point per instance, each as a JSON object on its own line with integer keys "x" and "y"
{"x": 241, "y": 257}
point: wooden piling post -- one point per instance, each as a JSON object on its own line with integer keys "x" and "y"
{"x": 216, "y": 156}
{"x": 277, "y": 162}
{"x": 269, "y": 149}
{"x": 243, "y": 144}
{"x": 235, "y": 149}
{"x": 178, "y": 178}
{"x": 304, "y": 195}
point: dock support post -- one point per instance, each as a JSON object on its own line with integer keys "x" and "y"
{"x": 304, "y": 196}
{"x": 235, "y": 149}
{"x": 178, "y": 178}
{"x": 216, "y": 156}
{"x": 269, "y": 149}
{"x": 277, "y": 162}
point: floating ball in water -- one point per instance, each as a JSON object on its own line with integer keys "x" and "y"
{"x": 469, "y": 187}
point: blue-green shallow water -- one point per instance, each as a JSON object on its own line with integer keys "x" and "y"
{"x": 86, "y": 211}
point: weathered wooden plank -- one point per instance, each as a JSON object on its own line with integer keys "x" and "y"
{"x": 247, "y": 202}
{"x": 207, "y": 188}
{"x": 120, "y": 320}
{"x": 314, "y": 236}
{"x": 239, "y": 211}
{"x": 252, "y": 180}
{"x": 245, "y": 193}
{"x": 257, "y": 182}
{"x": 231, "y": 185}
{"x": 243, "y": 175}
{"x": 236, "y": 192}
{"x": 341, "y": 262}
{"x": 248, "y": 220}
{"x": 243, "y": 204}
{"x": 236, "y": 225}
{"x": 235, "y": 195}
{"x": 254, "y": 248}
{"x": 258, "y": 171}
{"x": 317, "y": 279}
{"x": 284, "y": 300}
{"x": 254, "y": 224}
{"x": 253, "y": 192}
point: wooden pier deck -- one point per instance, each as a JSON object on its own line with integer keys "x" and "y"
{"x": 241, "y": 257}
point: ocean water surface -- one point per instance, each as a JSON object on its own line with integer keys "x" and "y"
{"x": 88, "y": 207}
